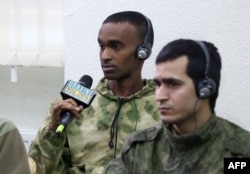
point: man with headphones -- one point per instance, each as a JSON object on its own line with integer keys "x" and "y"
{"x": 190, "y": 137}
{"x": 124, "y": 103}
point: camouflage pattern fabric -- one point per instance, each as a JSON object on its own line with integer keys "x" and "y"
{"x": 13, "y": 156}
{"x": 83, "y": 147}
{"x": 157, "y": 151}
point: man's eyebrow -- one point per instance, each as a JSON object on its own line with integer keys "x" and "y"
{"x": 113, "y": 41}
{"x": 167, "y": 80}
{"x": 99, "y": 40}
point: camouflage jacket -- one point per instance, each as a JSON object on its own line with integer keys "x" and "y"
{"x": 156, "y": 150}
{"x": 13, "y": 156}
{"x": 84, "y": 146}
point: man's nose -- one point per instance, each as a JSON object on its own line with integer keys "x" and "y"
{"x": 105, "y": 54}
{"x": 161, "y": 93}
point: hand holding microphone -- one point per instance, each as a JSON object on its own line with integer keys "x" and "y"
{"x": 74, "y": 95}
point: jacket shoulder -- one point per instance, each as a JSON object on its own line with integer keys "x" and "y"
{"x": 144, "y": 135}
{"x": 238, "y": 139}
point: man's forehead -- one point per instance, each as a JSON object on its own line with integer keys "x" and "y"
{"x": 173, "y": 69}
{"x": 120, "y": 26}
{"x": 117, "y": 33}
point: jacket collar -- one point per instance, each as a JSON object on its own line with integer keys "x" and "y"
{"x": 186, "y": 142}
{"x": 102, "y": 89}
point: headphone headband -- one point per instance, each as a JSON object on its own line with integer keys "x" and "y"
{"x": 207, "y": 86}
{"x": 205, "y": 51}
{"x": 144, "y": 50}
{"x": 146, "y": 41}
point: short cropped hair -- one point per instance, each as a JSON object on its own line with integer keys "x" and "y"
{"x": 136, "y": 19}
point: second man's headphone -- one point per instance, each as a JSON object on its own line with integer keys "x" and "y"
{"x": 207, "y": 86}
{"x": 144, "y": 50}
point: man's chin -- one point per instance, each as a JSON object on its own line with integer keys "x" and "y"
{"x": 109, "y": 76}
{"x": 167, "y": 119}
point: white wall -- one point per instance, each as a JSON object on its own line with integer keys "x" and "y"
{"x": 225, "y": 23}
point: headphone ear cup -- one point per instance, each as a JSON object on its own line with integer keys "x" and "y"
{"x": 143, "y": 52}
{"x": 206, "y": 88}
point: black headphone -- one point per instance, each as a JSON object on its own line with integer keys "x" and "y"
{"x": 207, "y": 86}
{"x": 144, "y": 50}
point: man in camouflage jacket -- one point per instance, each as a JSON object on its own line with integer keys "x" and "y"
{"x": 124, "y": 103}
{"x": 191, "y": 138}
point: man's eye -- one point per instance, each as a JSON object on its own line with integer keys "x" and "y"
{"x": 173, "y": 84}
{"x": 101, "y": 47}
{"x": 116, "y": 46}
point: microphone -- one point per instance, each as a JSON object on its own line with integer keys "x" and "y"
{"x": 81, "y": 93}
